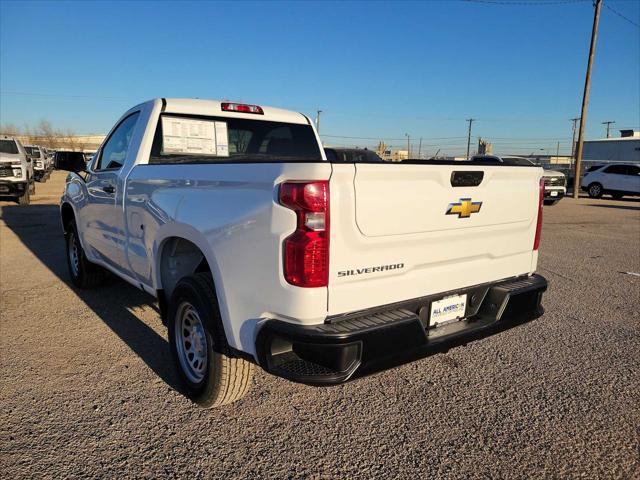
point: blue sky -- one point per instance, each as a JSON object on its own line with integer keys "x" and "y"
{"x": 378, "y": 69}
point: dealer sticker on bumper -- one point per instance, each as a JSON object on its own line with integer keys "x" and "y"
{"x": 447, "y": 309}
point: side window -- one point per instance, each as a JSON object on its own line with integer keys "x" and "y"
{"x": 331, "y": 155}
{"x": 114, "y": 151}
{"x": 633, "y": 170}
{"x": 616, "y": 169}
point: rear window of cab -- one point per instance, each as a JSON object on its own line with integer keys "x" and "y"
{"x": 204, "y": 139}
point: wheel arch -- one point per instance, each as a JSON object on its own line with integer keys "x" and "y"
{"x": 66, "y": 215}
{"x": 180, "y": 251}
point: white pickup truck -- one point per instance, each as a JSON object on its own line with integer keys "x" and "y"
{"x": 260, "y": 251}
{"x": 16, "y": 170}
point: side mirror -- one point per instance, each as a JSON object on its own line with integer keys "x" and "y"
{"x": 71, "y": 164}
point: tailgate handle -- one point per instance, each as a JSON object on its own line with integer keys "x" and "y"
{"x": 466, "y": 179}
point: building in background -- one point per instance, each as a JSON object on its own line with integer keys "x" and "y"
{"x": 625, "y": 148}
{"x": 388, "y": 154}
{"x": 397, "y": 155}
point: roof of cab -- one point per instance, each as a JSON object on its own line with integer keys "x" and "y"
{"x": 196, "y": 106}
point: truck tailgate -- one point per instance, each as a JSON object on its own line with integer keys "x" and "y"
{"x": 403, "y": 230}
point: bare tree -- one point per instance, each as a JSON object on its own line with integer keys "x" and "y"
{"x": 9, "y": 129}
{"x": 46, "y": 135}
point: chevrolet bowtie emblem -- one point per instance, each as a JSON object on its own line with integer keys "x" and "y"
{"x": 464, "y": 208}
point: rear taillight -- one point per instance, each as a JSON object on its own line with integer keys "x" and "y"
{"x": 536, "y": 242}
{"x": 242, "y": 108}
{"x": 306, "y": 251}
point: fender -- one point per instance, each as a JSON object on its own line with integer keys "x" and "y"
{"x": 187, "y": 232}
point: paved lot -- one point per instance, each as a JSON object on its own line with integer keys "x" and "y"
{"x": 87, "y": 389}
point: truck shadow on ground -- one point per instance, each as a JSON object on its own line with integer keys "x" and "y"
{"x": 38, "y": 227}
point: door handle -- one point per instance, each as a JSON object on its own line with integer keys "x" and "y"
{"x": 109, "y": 189}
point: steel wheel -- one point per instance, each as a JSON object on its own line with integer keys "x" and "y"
{"x": 191, "y": 342}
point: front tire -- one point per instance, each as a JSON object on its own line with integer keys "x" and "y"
{"x": 25, "y": 198}
{"x": 595, "y": 190}
{"x": 211, "y": 375}
{"x": 550, "y": 203}
{"x": 83, "y": 273}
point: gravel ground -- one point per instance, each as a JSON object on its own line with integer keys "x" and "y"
{"x": 87, "y": 388}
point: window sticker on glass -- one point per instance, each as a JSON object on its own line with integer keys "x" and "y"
{"x": 222, "y": 139}
{"x": 187, "y": 136}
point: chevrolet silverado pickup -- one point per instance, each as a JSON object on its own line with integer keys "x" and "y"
{"x": 261, "y": 251}
{"x": 16, "y": 170}
{"x": 39, "y": 161}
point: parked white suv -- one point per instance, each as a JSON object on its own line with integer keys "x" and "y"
{"x": 260, "y": 250}
{"x": 615, "y": 179}
{"x": 16, "y": 170}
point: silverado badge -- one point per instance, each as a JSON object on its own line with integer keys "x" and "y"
{"x": 464, "y": 208}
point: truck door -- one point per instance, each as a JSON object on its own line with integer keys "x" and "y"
{"x": 103, "y": 214}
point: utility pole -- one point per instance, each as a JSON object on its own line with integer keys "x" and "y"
{"x": 470, "y": 120}
{"x": 420, "y": 148}
{"x": 318, "y": 120}
{"x": 608, "y": 124}
{"x": 573, "y": 138}
{"x": 557, "y": 151}
{"x": 408, "y": 145}
{"x": 585, "y": 98}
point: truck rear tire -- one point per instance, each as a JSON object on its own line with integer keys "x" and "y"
{"x": 83, "y": 273}
{"x": 211, "y": 374}
{"x": 25, "y": 198}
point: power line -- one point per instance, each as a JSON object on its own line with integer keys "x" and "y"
{"x": 607, "y": 125}
{"x": 443, "y": 138}
{"x": 621, "y": 15}
{"x": 35, "y": 94}
{"x": 524, "y": 2}
{"x": 387, "y": 138}
{"x": 528, "y": 120}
